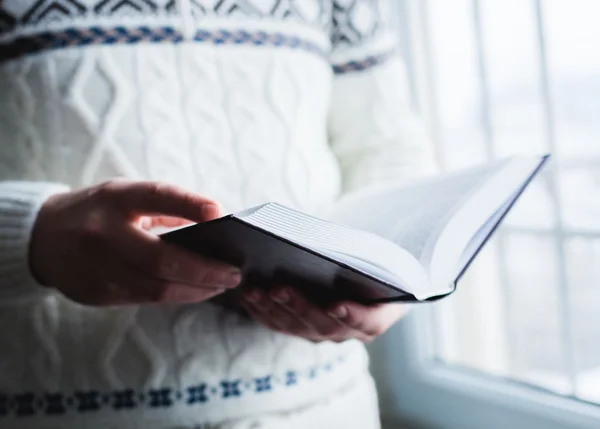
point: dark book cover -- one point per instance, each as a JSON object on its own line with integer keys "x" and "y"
{"x": 268, "y": 261}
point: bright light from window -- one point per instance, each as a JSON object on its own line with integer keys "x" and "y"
{"x": 529, "y": 308}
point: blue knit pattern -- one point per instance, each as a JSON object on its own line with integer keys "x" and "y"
{"x": 79, "y": 37}
{"x": 360, "y": 65}
{"x": 256, "y": 38}
{"x": 28, "y": 404}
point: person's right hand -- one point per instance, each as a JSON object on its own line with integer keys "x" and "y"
{"x": 92, "y": 245}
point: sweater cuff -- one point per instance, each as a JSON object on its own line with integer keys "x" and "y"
{"x": 20, "y": 203}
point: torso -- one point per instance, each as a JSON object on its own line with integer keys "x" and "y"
{"x": 241, "y": 121}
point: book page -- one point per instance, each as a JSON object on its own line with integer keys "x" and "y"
{"x": 470, "y": 225}
{"x": 417, "y": 232}
{"x": 481, "y": 235}
{"x": 412, "y": 216}
{"x": 363, "y": 250}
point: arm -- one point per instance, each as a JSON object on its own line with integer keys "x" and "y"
{"x": 92, "y": 245}
{"x": 20, "y": 202}
{"x": 374, "y": 132}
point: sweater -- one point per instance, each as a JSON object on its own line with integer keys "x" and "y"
{"x": 245, "y": 101}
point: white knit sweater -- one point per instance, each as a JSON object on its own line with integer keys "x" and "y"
{"x": 245, "y": 101}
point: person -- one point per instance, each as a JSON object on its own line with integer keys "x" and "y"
{"x": 118, "y": 117}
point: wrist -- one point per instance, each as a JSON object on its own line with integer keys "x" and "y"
{"x": 20, "y": 203}
{"x": 40, "y": 242}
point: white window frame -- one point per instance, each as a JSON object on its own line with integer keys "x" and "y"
{"x": 412, "y": 384}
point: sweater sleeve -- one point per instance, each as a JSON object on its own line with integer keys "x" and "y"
{"x": 374, "y": 132}
{"x": 20, "y": 202}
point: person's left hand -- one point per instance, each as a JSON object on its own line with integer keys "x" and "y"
{"x": 287, "y": 311}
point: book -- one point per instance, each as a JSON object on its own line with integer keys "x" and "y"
{"x": 408, "y": 243}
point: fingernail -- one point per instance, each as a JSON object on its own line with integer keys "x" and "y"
{"x": 281, "y": 297}
{"x": 230, "y": 278}
{"x": 339, "y": 313}
{"x": 217, "y": 292}
{"x": 211, "y": 211}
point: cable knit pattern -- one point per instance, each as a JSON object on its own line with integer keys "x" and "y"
{"x": 243, "y": 123}
{"x": 19, "y": 204}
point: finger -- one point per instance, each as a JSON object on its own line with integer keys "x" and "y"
{"x": 260, "y": 316}
{"x": 131, "y": 286}
{"x": 165, "y": 292}
{"x": 136, "y": 198}
{"x": 314, "y": 317}
{"x": 167, "y": 262}
{"x": 141, "y": 289}
{"x": 308, "y": 313}
{"x": 280, "y": 320}
{"x": 283, "y": 316}
{"x": 371, "y": 320}
{"x": 258, "y": 300}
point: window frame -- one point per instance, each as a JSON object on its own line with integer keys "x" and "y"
{"x": 416, "y": 387}
{"x": 413, "y": 385}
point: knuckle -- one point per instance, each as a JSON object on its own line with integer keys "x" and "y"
{"x": 156, "y": 190}
{"x": 108, "y": 194}
{"x": 107, "y": 190}
{"x": 93, "y": 231}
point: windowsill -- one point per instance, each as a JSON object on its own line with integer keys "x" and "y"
{"x": 402, "y": 424}
{"x": 588, "y": 383}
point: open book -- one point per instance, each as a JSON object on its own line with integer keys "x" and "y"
{"x": 408, "y": 243}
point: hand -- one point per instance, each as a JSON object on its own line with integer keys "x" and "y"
{"x": 93, "y": 246}
{"x": 285, "y": 310}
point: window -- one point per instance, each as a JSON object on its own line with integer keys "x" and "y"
{"x": 518, "y": 344}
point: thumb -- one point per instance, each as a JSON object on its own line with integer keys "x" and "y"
{"x": 213, "y": 211}
{"x": 150, "y": 222}
{"x": 160, "y": 199}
